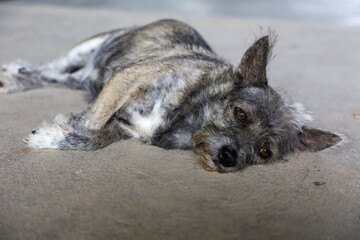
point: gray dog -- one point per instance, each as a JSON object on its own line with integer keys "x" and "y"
{"x": 162, "y": 84}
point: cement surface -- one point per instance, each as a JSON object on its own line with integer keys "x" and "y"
{"x": 134, "y": 191}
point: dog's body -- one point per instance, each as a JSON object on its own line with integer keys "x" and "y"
{"x": 162, "y": 84}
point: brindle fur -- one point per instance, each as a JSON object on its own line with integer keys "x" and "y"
{"x": 162, "y": 84}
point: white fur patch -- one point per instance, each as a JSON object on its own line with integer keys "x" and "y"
{"x": 49, "y": 135}
{"x": 79, "y": 54}
{"x": 10, "y": 71}
{"x": 148, "y": 124}
{"x": 87, "y": 46}
{"x": 301, "y": 116}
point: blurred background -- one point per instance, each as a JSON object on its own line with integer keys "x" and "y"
{"x": 344, "y": 13}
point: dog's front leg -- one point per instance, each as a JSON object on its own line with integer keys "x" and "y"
{"x": 92, "y": 129}
{"x": 70, "y": 133}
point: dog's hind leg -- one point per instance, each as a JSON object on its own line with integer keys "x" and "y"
{"x": 20, "y": 75}
{"x": 71, "y": 70}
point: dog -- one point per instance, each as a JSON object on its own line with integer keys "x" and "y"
{"x": 162, "y": 84}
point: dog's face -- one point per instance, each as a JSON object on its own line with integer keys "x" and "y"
{"x": 255, "y": 125}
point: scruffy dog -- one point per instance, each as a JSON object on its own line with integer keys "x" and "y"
{"x": 162, "y": 84}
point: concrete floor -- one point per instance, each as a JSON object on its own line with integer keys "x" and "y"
{"x": 133, "y": 191}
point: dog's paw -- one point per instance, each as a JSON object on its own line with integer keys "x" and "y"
{"x": 49, "y": 135}
{"x": 16, "y": 77}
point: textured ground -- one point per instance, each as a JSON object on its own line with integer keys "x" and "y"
{"x": 133, "y": 191}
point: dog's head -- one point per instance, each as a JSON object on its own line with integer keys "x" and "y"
{"x": 254, "y": 124}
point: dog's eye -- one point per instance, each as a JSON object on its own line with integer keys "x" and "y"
{"x": 240, "y": 115}
{"x": 264, "y": 153}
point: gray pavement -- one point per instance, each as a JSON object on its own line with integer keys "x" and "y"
{"x": 134, "y": 191}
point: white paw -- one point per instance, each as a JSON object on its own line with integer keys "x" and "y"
{"x": 49, "y": 135}
{"x": 15, "y": 75}
{"x": 10, "y": 85}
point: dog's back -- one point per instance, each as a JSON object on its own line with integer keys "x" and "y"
{"x": 159, "y": 41}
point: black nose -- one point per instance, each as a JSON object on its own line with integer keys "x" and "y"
{"x": 228, "y": 156}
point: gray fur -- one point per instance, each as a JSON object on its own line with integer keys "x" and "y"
{"x": 162, "y": 84}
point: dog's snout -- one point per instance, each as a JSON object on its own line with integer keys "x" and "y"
{"x": 228, "y": 156}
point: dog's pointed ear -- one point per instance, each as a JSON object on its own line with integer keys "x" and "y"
{"x": 252, "y": 67}
{"x": 314, "y": 140}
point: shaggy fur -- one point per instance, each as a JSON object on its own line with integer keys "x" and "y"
{"x": 162, "y": 84}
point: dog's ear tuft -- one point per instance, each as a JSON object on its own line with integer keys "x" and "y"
{"x": 253, "y": 64}
{"x": 314, "y": 140}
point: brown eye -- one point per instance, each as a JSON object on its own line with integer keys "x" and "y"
{"x": 240, "y": 114}
{"x": 264, "y": 153}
